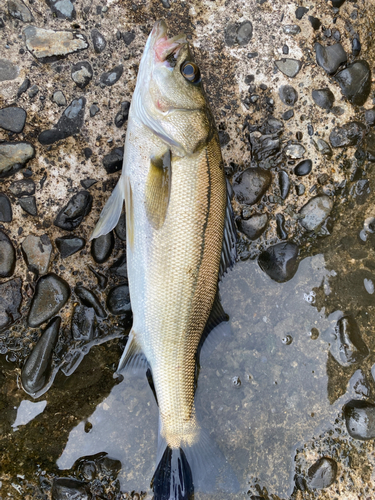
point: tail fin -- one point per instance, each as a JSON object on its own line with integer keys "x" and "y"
{"x": 173, "y": 478}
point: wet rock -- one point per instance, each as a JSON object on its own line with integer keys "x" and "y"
{"x": 69, "y": 245}
{"x": 101, "y": 248}
{"x": 301, "y": 11}
{"x": 263, "y": 146}
{"x": 33, "y": 91}
{"x": 272, "y": 126}
{"x": 240, "y": 34}
{"x": 224, "y": 138}
{"x": 89, "y": 299}
{"x": 65, "y": 488}
{"x": 59, "y": 98}
{"x": 112, "y": 162}
{"x": 352, "y": 348}
{"x": 331, "y": 57}
{"x": 347, "y": 135}
{"x": 128, "y": 37}
{"x": 284, "y": 184}
{"x": 322, "y": 473}
{"x": 69, "y": 124}
{"x": 118, "y": 300}
{"x": 356, "y": 47}
{"x": 98, "y": 41}
{"x": 37, "y": 252}
{"x": 282, "y": 233}
{"x": 290, "y": 67}
{"x": 10, "y": 301}
{"x": 120, "y": 229}
{"x": 28, "y": 204}
{"x": 12, "y": 119}
{"x": 303, "y": 168}
{"x": 300, "y": 189}
{"x": 94, "y": 109}
{"x": 324, "y": 98}
{"x": 111, "y": 77}
{"x": 8, "y": 70}
{"x": 102, "y": 280}
{"x": 122, "y": 116}
{"x": 315, "y": 212}
{"x": 87, "y": 183}
{"x": 81, "y": 74}
{"x": 254, "y": 226}
{"x": 370, "y": 117}
{"x": 36, "y": 372}
{"x": 5, "y": 209}
{"x": 355, "y": 82}
{"x": 119, "y": 268}
{"x": 47, "y": 45}
{"x": 51, "y": 294}
{"x": 295, "y": 151}
{"x": 315, "y": 22}
{"x": 23, "y": 87}
{"x": 63, "y": 9}
{"x": 291, "y": 29}
{"x": 18, "y": 10}
{"x": 84, "y": 323}
{"x": 323, "y": 147}
{"x": 71, "y": 216}
{"x": 280, "y": 261}
{"x": 361, "y": 191}
{"x": 288, "y": 95}
{"x": 24, "y": 187}
{"x": 14, "y": 156}
{"x": 7, "y": 256}
{"x": 360, "y": 419}
{"x": 251, "y": 185}
{"x": 288, "y": 115}
{"x": 337, "y": 3}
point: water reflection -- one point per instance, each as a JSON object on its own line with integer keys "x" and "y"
{"x": 27, "y": 411}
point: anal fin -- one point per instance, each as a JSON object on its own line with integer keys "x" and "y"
{"x": 111, "y": 212}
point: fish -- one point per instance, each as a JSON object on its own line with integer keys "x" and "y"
{"x": 180, "y": 240}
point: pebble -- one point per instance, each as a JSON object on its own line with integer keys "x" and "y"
{"x": 370, "y": 117}
{"x": 83, "y": 323}
{"x": 282, "y": 233}
{"x": 28, "y": 204}
{"x": 69, "y": 123}
{"x": 288, "y": 95}
{"x": 51, "y": 294}
{"x": 18, "y": 10}
{"x": 284, "y": 184}
{"x": 101, "y": 248}
{"x": 122, "y": 116}
{"x": 46, "y": 45}
{"x": 291, "y": 29}
{"x": 251, "y": 185}
{"x": 287, "y": 115}
{"x": 128, "y": 37}
{"x": 5, "y": 209}
{"x": 14, "y": 156}
{"x": 271, "y": 126}
{"x": 285, "y": 49}
{"x": 322, "y": 473}
{"x": 315, "y": 212}
{"x": 36, "y": 371}
{"x": 10, "y": 303}
{"x": 8, "y": 70}
{"x": 102, "y": 280}
{"x": 112, "y": 162}
{"x": 360, "y": 419}
{"x": 361, "y": 191}
{"x": 98, "y": 41}
{"x": 119, "y": 268}
{"x": 254, "y": 226}
{"x": 303, "y": 168}
{"x": 348, "y": 134}
{"x": 263, "y": 146}
{"x": 238, "y": 33}
{"x": 323, "y": 147}
{"x": 59, "y": 98}
{"x": 118, "y": 300}
{"x": 37, "y": 251}
{"x": 87, "y": 183}
{"x": 81, "y": 74}
{"x": 295, "y": 151}
{"x": 65, "y": 488}
{"x": 331, "y": 57}
{"x": 7, "y": 256}
{"x": 352, "y": 347}
{"x": 315, "y": 22}
{"x": 111, "y": 77}
{"x": 300, "y": 189}
{"x": 23, "y": 187}
{"x": 356, "y": 47}
{"x": 289, "y": 67}
{"x": 89, "y": 299}
{"x": 69, "y": 245}
{"x": 12, "y": 119}
{"x": 94, "y": 109}
{"x": 33, "y": 91}
{"x": 355, "y": 82}
{"x": 23, "y": 87}
{"x": 324, "y": 98}
{"x": 300, "y": 12}
{"x": 120, "y": 229}
{"x": 63, "y": 9}
{"x": 280, "y": 261}
{"x": 71, "y": 216}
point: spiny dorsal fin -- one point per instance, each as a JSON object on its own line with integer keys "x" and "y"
{"x": 158, "y": 190}
{"x": 132, "y": 357}
{"x": 229, "y": 250}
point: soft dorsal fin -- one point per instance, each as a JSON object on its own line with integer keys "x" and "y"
{"x": 157, "y": 190}
{"x": 132, "y": 357}
{"x": 229, "y": 250}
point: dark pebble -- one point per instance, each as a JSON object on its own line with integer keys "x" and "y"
{"x": 166, "y": 4}
{"x": 263, "y": 146}
{"x": 352, "y": 348}
{"x": 288, "y": 94}
{"x": 370, "y": 117}
{"x": 122, "y": 116}
{"x": 12, "y": 119}
{"x": 71, "y": 216}
{"x": 51, "y": 294}
{"x": 81, "y": 74}
{"x": 69, "y": 124}
{"x": 87, "y": 152}
{"x": 119, "y": 268}
{"x": 285, "y": 49}
{"x": 315, "y": 212}
{"x": 65, "y": 488}
{"x": 128, "y": 37}
{"x": 23, "y": 87}
{"x": 5, "y": 209}
{"x": 271, "y": 126}
{"x": 361, "y": 191}
{"x": 102, "y": 280}
{"x": 118, "y": 300}
{"x": 224, "y": 138}
{"x": 37, "y": 252}
{"x": 355, "y": 82}
{"x": 280, "y": 261}
{"x": 69, "y": 245}
{"x": 101, "y": 248}
{"x": 290, "y": 67}
{"x": 37, "y": 369}
{"x": 284, "y": 184}
{"x": 28, "y": 204}
{"x": 33, "y": 91}
{"x": 18, "y": 10}
{"x": 94, "y": 109}
{"x": 324, "y": 98}
{"x": 315, "y": 22}
{"x": 14, "y": 156}
{"x": 84, "y": 323}
{"x": 7, "y": 256}
{"x": 323, "y": 147}
{"x": 251, "y": 185}
{"x": 62, "y": 9}
{"x": 112, "y": 162}
{"x": 98, "y": 41}
{"x": 330, "y": 58}
{"x": 299, "y": 135}
{"x": 287, "y": 115}
{"x": 360, "y": 419}
{"x": 356, "y": 47}
{"x": 337, "y": 3}
{"x": 291, "y": 29}
{"x": 282, "y": 233}
{"x": 300, "y": 189}
{"x": 24, "y": 187}
{"x": 87, "y": 183}
{"x": 244, "y": 33}
{"x": 120, "y": 229}
{"x": 347, "y": 135}
{"x": 310, "y": 130}
{"x": 11, "y": 299}
{"x": 252, "y": 55}
{"x": 89, "y": 299}
{"x": 301, "y": 11}
{"x": 322, "y": 473}
{"x": 111, "y": 77}
{"x": 303, "y": 168}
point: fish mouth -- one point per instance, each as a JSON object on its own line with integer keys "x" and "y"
{"x": 166, "y": 49}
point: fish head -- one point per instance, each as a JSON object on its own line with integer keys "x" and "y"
{"x": 169, "y": 97}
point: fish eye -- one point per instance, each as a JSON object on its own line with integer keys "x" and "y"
{"x": 190, "y": 72}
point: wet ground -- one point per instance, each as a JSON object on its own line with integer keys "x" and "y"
{"x": 273, "y": 393}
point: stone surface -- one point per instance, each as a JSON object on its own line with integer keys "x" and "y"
{"x": 355, "y": 82}
{"x": 101, "y": 248}
{"x": 23, "y": 187}
{"x": 288, "y": 94}
{"x": 118, "y": 300}
{"x": 291, "y": 29}
{"x": 324, "y": 98}
{"x": 352, "y": 347}
{"x": 69, "y": 124}
{"x": 111, "y": 77}
{"x": 65, "y": 488}
{"x": 12, "y": 119}
{"x": 331, "y": 57}
{"x": 122, "y": 116}
{"x": 23, "y": 87}
{"x": 360, "y": 419}
{"x": 254, "y": 226}
{"x": 69, "y": 245}
{"x": 315, "y": 212}
{"x": 322, "y": 473}
{"x": 284, "y": 184}
{"x": 264, "y": 146}
{"x": 83, "y": 323}
{"x": 28, "y": 204}
{"x": 46, "y": 44}
{"x": 18, "y": 10}
{"x": 295, "y": 151}
{"x": 7, "y": 256}
{"x": 112, "y": 162}
{"x": 63, "y": 9}
{"x": 8, "y": 70}
{"x": 348, "y": 134}
{"x": 120, "y": 229}
{"x": 238, "y": 33}
{"x": 89, "y": 299}
{"x": 37, "y": 251}
{"x": 71, "y": 216}
{"x": 6, "y": 214}
{"x": 10, "y": 302}
{"x": 82, "y": 73}
{"x": 119, "y": 267}
{"x": 98, "y": 41}
{"x": 290, "y": 67}
{"x": 59, "y": 98}
{"x": 251, "y": 185}
{"x": 303, "y": 168}
{"x": 280, "y": 261}
{"x": 14, "y": 156}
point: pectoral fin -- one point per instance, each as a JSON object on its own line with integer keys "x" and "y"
{"x": 229, "y": 250}
{"x": 111, "y": 212}
{"x": 158, "y": 190}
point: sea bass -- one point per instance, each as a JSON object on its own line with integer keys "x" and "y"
{"x": 180, "y": 240}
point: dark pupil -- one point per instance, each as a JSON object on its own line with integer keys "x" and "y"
{"x": 189, "y": 70}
